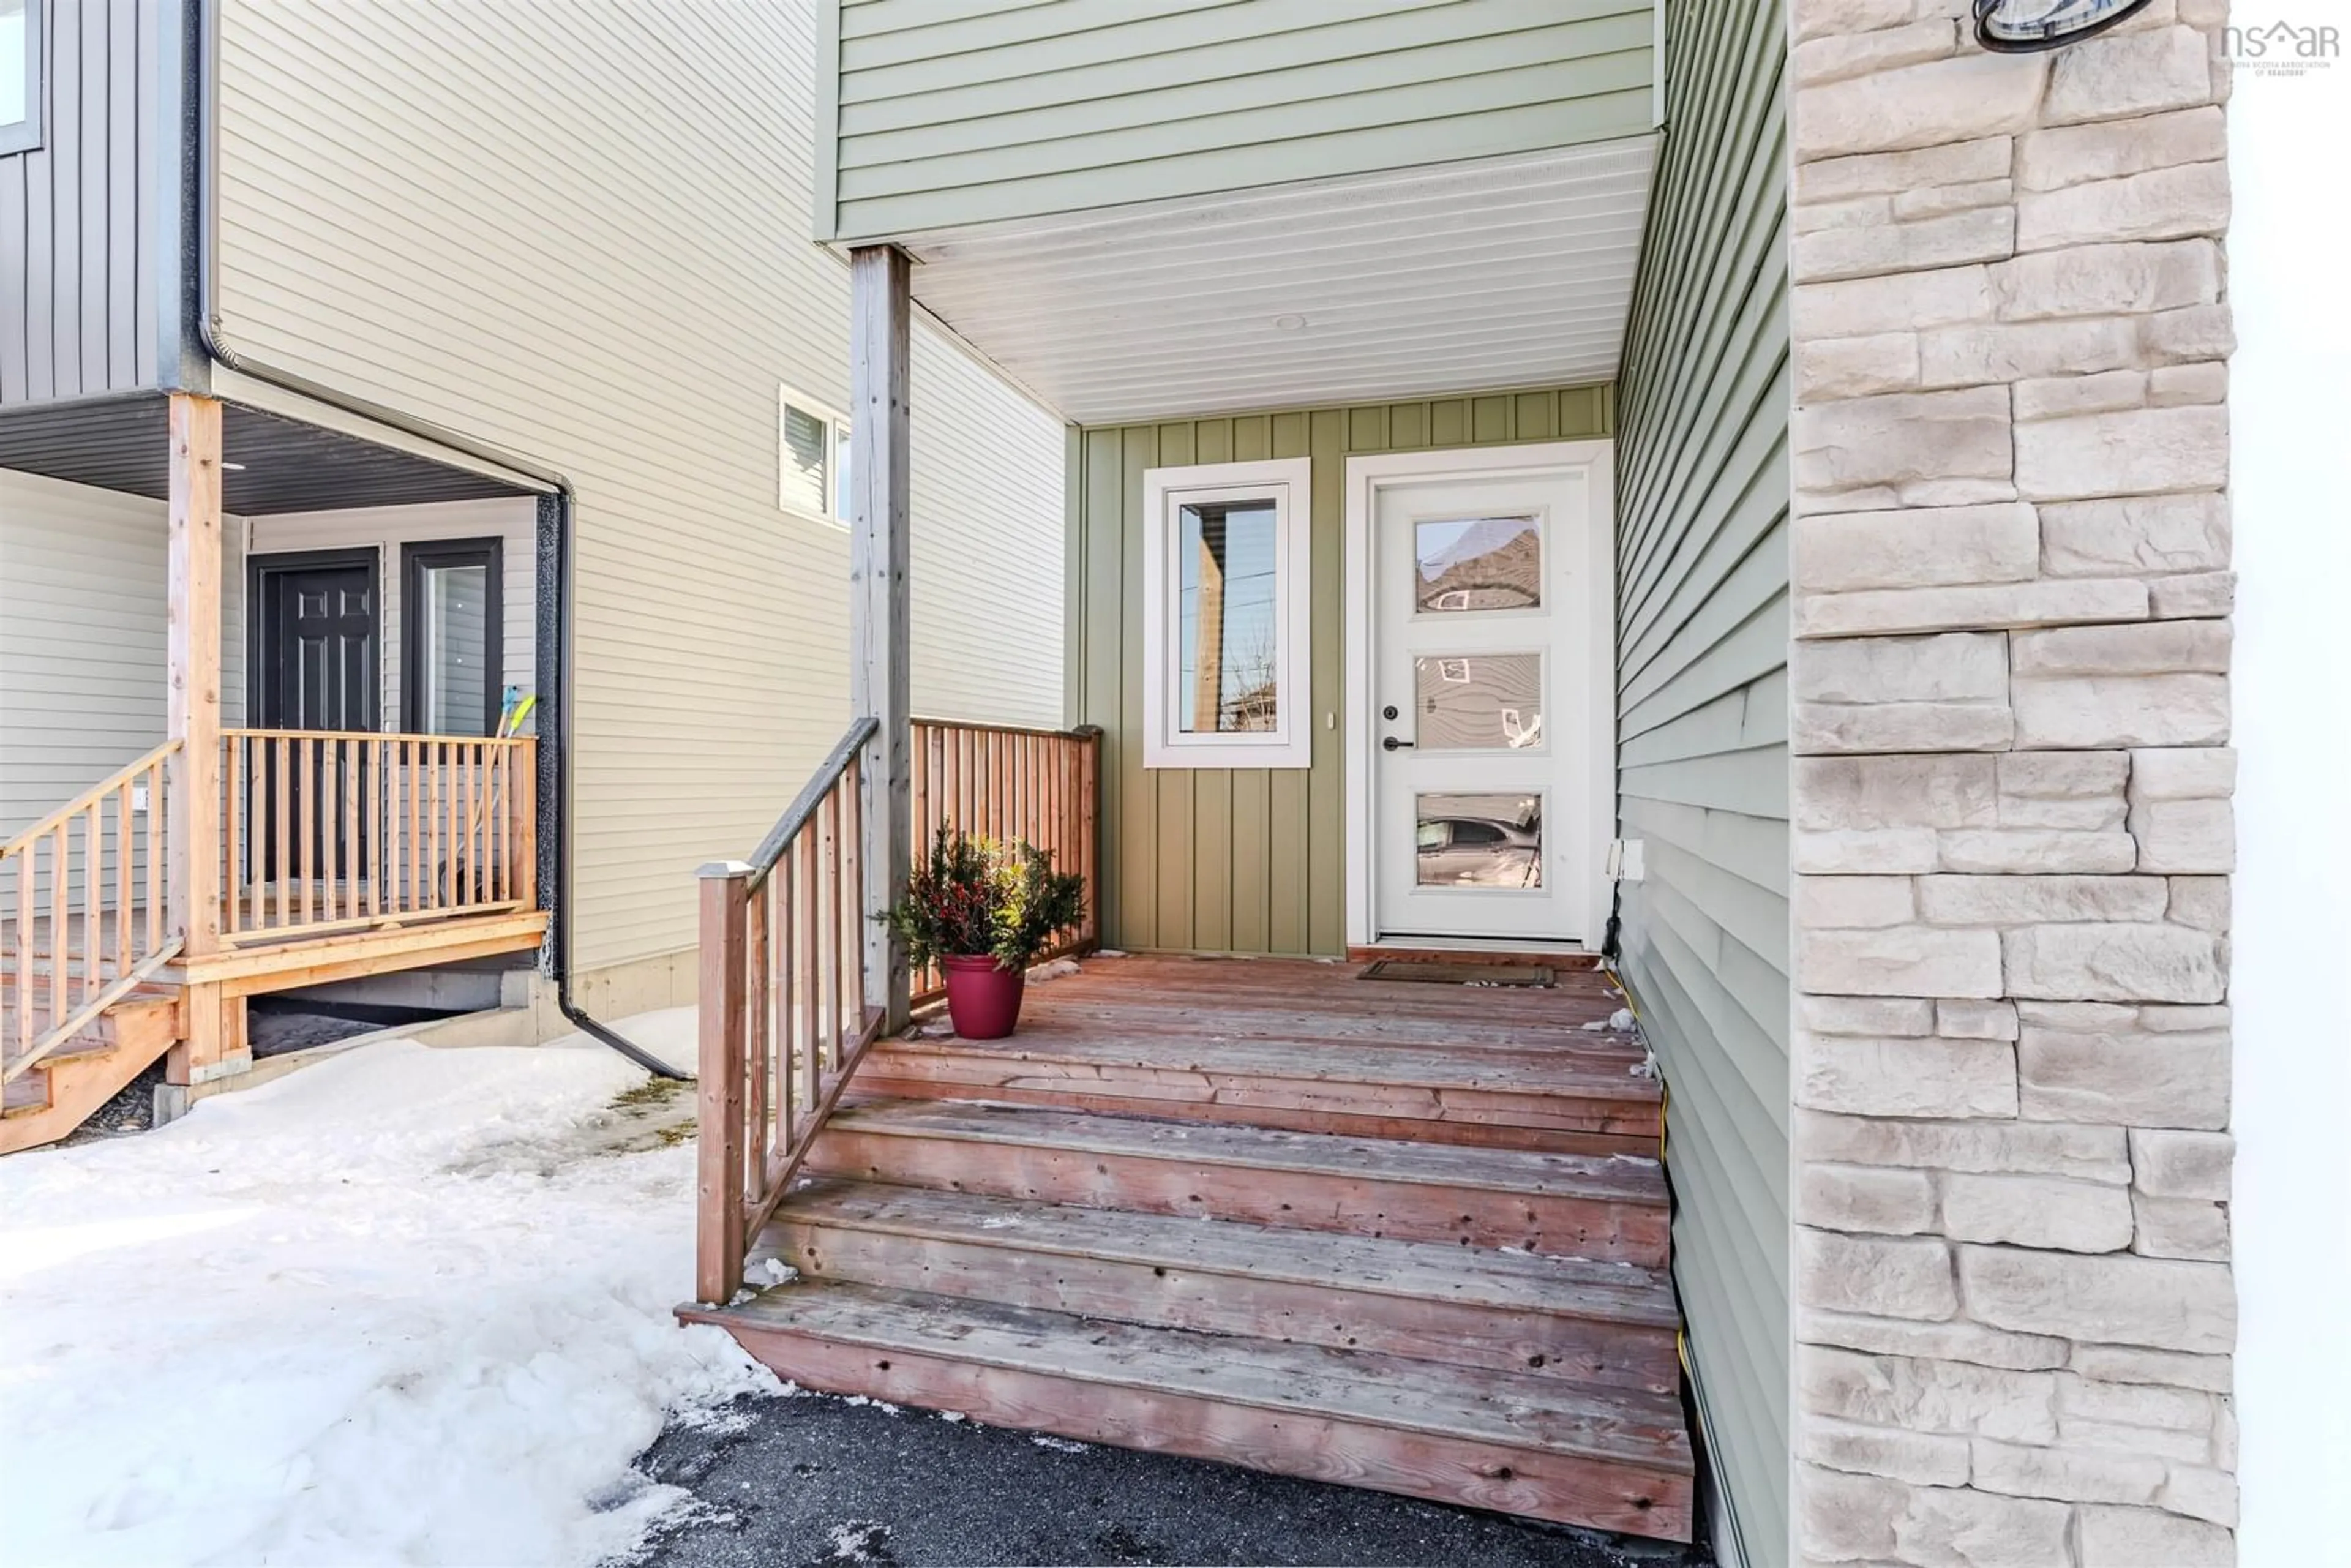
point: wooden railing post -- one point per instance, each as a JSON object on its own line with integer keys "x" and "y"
{"x": 880, "y": 607}
{"x": 1086, "y": 827}
{"x": 723, "y": 1061}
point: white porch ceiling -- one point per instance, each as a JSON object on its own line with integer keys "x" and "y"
{"x": 1513, "y": 272}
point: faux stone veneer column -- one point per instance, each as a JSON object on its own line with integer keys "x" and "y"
{"x": 2012, "y": 830}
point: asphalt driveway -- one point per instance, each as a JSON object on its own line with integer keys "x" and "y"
{"x": 816, "y": 1480}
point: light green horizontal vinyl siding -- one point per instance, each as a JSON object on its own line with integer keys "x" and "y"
{"x": 1243, "y": 860}
{"x": 1702, "y": 591}
{"x": 937, "y": 116}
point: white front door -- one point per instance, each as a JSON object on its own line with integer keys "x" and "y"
{"x": 1487, "y": 686}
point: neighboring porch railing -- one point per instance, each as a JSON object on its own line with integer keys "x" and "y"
{"x": 329, "y": 832}
{"x": 1007, "y": 783}
{"x": 83, "y": 917}
{"x": 784, "y": 1018}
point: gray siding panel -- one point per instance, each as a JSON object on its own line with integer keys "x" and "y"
{"x": 82, "y": 625}
{"x": 944, "y": 116}
{"x": 78, "y": 213}
{"x": 1702, "y": 719}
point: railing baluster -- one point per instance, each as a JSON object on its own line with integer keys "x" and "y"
{"x": 123, "y": 849}
{"x": 93, "y": 917}
{"x": 233, "y": 780}
{"x": 28, "y": 869}
{"x": 469, "y": 890}
{"x": 854, "y": 878}
{"x": 307, "y": 794}
{"x": 347, "y": 780}
{"x": 827, "y": 917}
{"x": 376, "y": 834}
{"x": 61, "y": 919}
{"x": 804, "y": 964}
{"x": 157, "y": 851}
{"x": 788, "y": 1062}
{"x": 753, "y": 1169}
{"x": 329, "y": 824}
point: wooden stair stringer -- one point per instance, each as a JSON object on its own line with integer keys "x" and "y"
{"x": 91, "y": 1069}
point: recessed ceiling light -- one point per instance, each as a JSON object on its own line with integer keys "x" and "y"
{"x": 1288, "y": 323}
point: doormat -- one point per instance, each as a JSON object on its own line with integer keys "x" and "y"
{"x": 1458, "y": 973}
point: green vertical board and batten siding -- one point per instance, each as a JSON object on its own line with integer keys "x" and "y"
{"x": 1702, "y": 502}
{"x": 933, "y": 114}
{"x": 1243, "y": 860}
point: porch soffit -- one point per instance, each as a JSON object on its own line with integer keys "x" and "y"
{"x": 1505, "y": 272}
{"x": 287, "y": 465}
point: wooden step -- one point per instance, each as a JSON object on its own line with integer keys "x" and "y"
{"x": 1604, "y": 1208}
{"x": 58, "y": 1093}
{"x": 1597, "y": 1322}
{"x": 1520, "y": 1443}
{"x": 1564, "y": 1099}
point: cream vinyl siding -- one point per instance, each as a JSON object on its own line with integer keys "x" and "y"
{"x": 987, "y": 545}
{"x": 514, "y": 522}
{"x": 573, "y": 230}
{"x": 1702, "y": 654}
{"x": 82, "y": 620}
{"x": 937, "y": 116}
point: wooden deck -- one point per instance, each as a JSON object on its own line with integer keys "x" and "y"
{"x": 1404, "y": 1235}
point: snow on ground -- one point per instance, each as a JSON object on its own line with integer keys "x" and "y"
{"x": 407, "y": 1305}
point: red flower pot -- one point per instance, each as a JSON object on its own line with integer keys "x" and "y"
{"x": 983, "y": 999}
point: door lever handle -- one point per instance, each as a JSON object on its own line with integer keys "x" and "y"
{"x": 1392, "y": 743}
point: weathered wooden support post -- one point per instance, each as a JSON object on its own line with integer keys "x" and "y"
{"x": 880, "y": 611}
{"x": 193, "y": 791}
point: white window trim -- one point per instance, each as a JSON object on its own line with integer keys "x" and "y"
{"x": 1286, "y": 483}
{"x": 836, "y": 435}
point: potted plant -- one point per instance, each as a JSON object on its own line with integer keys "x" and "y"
{"x": 981, "y": 912}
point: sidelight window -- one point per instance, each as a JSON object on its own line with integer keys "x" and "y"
{"x": 451, "y": 656}
{"x": 1226, "y": 637}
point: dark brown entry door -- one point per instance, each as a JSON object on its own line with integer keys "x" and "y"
{"x": 314, "y": 646}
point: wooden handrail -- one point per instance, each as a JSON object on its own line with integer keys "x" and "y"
{"x": 821, "y": 783}
{"x": 785, "y": 1018}
{"x": 89, "y": 908}
{"x": 81, "y": 802}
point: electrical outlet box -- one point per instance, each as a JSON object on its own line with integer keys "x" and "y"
{"x": 1626, "y": 859}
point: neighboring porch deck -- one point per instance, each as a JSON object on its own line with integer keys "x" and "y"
{"x": 1412, "y": 1237}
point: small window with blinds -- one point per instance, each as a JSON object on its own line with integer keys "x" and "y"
{"x": 814, "y": 443}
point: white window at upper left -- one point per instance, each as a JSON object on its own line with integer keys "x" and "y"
{"x": 20, "y": 75}
{"x": 814, "y": 443}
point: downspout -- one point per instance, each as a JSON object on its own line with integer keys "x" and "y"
{"x": 209, "y": 330}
